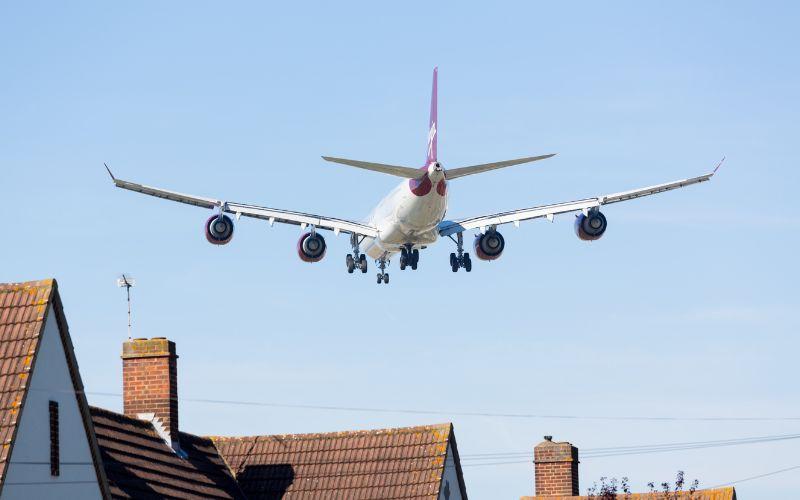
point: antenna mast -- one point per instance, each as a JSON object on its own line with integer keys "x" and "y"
{"x": 127, "y": 282}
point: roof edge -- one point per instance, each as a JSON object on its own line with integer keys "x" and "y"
{"x": 51, "y": 286}
{"x": 314, "y": 435}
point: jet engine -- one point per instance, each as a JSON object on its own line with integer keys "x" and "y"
{"x": 219, "y": 230}
{"x": 489, "y": 245}
{"x": 590, "y": 227}
{"x": 311, "y": 247}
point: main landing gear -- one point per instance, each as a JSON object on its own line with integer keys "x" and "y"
{"x": 409, "y": 256}
{"x": 356, "y": 260}
{"x": 383, "y": 276}
{"x": 460, "y": 258}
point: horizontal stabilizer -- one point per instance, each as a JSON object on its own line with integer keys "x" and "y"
{"x": 406, "y": 172}
{"x": 485, "y": 167}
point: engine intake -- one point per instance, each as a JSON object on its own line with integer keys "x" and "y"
{"x": 489, "y": 245}
{"x": 219, "y": 230}
{"x": 311, "y": 247}
{"x": 590, "y": 227}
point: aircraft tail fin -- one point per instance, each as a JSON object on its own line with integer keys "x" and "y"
{"x": 405, "y": 172}
{"x": 432, "y": 123}
{"x": 485, "y": 167}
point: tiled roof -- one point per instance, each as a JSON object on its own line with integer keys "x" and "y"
{"x": 728, "y": 493}
{"x": 139, "y": 464}
{"x": 390, "y": 463}
{"x": 23, "y": 312}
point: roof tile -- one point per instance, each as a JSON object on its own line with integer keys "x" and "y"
{"x": 139, "y": 464}
{"x": 22, "y": 310}
{"x": 386, "y": 463}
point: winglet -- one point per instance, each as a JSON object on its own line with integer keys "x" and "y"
{"x": 718, "y": 165}
{"x": 109, "y": 172}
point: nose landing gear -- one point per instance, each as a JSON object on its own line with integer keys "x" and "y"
{"x": 383, "y": 276}
{"x": 459, "y": 258}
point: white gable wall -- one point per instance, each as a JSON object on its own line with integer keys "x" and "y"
{"x": 50, "y": 381}
{"x": 450, "y": 489}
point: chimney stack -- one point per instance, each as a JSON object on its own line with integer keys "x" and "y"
{"x": 556, "y": 468}
{"x": 150, "y": 385}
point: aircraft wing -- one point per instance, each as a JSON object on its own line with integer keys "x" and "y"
{"x": 447, "y": 228}
{"x": 271, "y": 215}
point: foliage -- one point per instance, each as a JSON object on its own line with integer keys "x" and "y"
{"x": 611, "y": 489}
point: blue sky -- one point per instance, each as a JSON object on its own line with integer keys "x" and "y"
{"x": 687, "y": 307}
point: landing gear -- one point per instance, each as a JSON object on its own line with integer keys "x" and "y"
{"x": 383, "y": 276}
{"x": 362, "y": 263}
{"x": 460, "y": 258}
{"x": 409, "y": 257}
{"x": 356, "y": 260}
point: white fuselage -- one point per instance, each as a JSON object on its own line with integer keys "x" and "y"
{"x": 409, "y": 215}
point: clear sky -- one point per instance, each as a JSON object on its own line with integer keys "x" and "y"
{"x": 686, "y": 308}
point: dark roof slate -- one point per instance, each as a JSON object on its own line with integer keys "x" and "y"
{"x": 139, "y": 464}
{"x": 405, "y": 463}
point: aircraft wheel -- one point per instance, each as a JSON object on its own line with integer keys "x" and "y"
{"x": 453, "y": 260}
{"x": 380, "y": 278}
{"x": 386, "y": 278}
{"x": 455, "y": 267}
{"x": 362, "y": 263}
{"x": 467, "y": 263}
{"x": 403, "y": 260}
{"x": 351, "y": 263}
{"x": 414, "y": 259}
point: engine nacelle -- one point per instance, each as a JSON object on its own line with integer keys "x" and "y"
{"x": 590, "y": 227}
{"x": 219, "y": 230}
{"x": 489, "y": 245}
{"x": 311, "y": 247}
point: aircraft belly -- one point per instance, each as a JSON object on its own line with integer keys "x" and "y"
{"x": 406, "y": 218}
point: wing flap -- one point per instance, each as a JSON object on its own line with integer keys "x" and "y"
{"x": 197, "y": 201}
{"x": 271, "y": 215}
{"x": 447, "y": 228}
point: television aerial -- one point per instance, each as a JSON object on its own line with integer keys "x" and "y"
{"x": 127, "y": 281}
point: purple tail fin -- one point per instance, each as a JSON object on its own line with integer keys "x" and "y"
{"x": 432, "y": 133}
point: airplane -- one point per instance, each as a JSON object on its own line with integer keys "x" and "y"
{"x": 412, "y": 216}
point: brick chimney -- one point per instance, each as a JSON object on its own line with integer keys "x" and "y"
{"x": 150, "y": 385}
{"x": 556, "y": 468}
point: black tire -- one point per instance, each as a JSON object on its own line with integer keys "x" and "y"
{"x": 380, "y": 278}
{"x": 467, "y": 263}
{"x": 362, "y": 263}
{"x": 453, "y": 260}
{"x": 414, "y": 258}
{"x": 386, "y": 278}
{"x": 403, "y": 260}
{"x": 455, "y": 267}
{"x": 351, "y": 263}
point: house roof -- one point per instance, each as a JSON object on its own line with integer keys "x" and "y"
{"x": 728, "y": 493}
{"x": 24, "y": 309}
{"x": 139, "y": 463}
{"x": 406, "y": 463}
